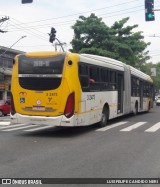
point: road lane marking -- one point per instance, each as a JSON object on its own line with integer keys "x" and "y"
{"x": 39, "y": 128}
{"x": 132, "y": 127}
{"x": 17, "y": 128}
{"x": 112, "y": 126}
{"x": 153, "y": 128}
{"x": 11, "y": 126}
{"x": 5, "y": 123}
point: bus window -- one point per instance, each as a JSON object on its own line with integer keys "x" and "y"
{"x": 83, "y": 76}
{"x": 40, "y": 73}
{"x": 93, "y": 73}
{"x": 112, "y": 80}
{"x": 104, "y": 79}
{"x": 94, "y": 76}
{"x": 53, "y": 65}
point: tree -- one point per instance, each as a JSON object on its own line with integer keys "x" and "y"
{"x": 93, "y": 36}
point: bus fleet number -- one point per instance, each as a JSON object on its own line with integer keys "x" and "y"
{"x": 90, "y": 97}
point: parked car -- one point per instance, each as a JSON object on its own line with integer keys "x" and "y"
{"x": 158, "y": 101}
{"x": 4, "y": 107}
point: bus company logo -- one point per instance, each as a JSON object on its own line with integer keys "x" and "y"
{"x": 22, "y": 94}
{"x": 38, "y": 102}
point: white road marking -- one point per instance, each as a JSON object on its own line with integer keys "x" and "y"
{"x": 8, "y": 127}
{"x": 11, "y": 126}
{"x": 112, "y": 126}
{"x": 39, "y": 128}
{"x": 22, "y": 127}
{"x": 132, "y": 127}
{"x": 153, "y": 128}
{"x": 5, "y": 123}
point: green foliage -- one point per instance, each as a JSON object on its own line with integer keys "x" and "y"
{"x": 93, "y": 36}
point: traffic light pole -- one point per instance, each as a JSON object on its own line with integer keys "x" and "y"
{"x": 60, "y": 44}
{"x": 52, "y": 37}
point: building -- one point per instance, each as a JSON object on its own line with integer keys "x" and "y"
{"x": 6, "y": 63}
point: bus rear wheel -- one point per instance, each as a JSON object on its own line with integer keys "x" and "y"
{"x": 104, "y": 117}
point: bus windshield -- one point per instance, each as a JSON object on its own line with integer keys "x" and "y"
{"x": 33, "y": 65}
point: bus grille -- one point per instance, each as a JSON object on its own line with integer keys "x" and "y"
{"x": 39, "y": 84}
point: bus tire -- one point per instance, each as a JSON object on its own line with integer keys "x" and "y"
{"x": 104, "y": 117}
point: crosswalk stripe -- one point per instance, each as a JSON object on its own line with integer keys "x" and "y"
{"x": 31, "y": 128}
{"x": 12, "y": 126}
{"x": 39, "y": 128}
{"x": 13, "y": 129}
{"x": 136, "y": 125}
{"x": 5, "y": 123}
{"x": 153, "y": 128}
{"x": 112, "y": 126}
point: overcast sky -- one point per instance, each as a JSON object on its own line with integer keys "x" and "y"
{"x": 36, "y": 19}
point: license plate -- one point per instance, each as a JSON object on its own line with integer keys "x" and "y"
{"x": 39, "y": 108}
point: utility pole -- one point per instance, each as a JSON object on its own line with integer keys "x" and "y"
{"x": 2, "y": 20}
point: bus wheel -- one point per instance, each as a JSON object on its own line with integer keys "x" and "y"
{"x": 104, "y": 117}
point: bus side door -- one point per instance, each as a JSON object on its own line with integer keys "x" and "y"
{"x": 120, "y": 92}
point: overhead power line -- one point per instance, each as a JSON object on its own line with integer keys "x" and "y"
{"x": 2, "y": 20}
{"x": 34, "y": 29}
{"x": 67, "y": 22}
{"x": 109, "y": 14}
{"x": 81, "y": 13}
{"x": 33, "y": 32}
{"x": 21, "y": 26}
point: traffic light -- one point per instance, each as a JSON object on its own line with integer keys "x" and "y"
{"x": 149, "y": 10}
{"x": 26, "y": 1}
{"x": 52, "y": 35}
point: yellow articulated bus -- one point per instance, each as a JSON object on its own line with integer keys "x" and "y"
{"x": 69, "y": 89}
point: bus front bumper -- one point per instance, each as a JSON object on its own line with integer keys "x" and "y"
{"x": 42, "y": 120}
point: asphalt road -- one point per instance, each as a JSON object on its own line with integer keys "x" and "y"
{"x": 128, "y": 148}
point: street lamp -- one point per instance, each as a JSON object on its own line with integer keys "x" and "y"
{"x": 2, "y": 69}
{"x": 12, "y": 45}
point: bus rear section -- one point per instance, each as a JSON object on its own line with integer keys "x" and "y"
{"x": 41, "y": 92}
